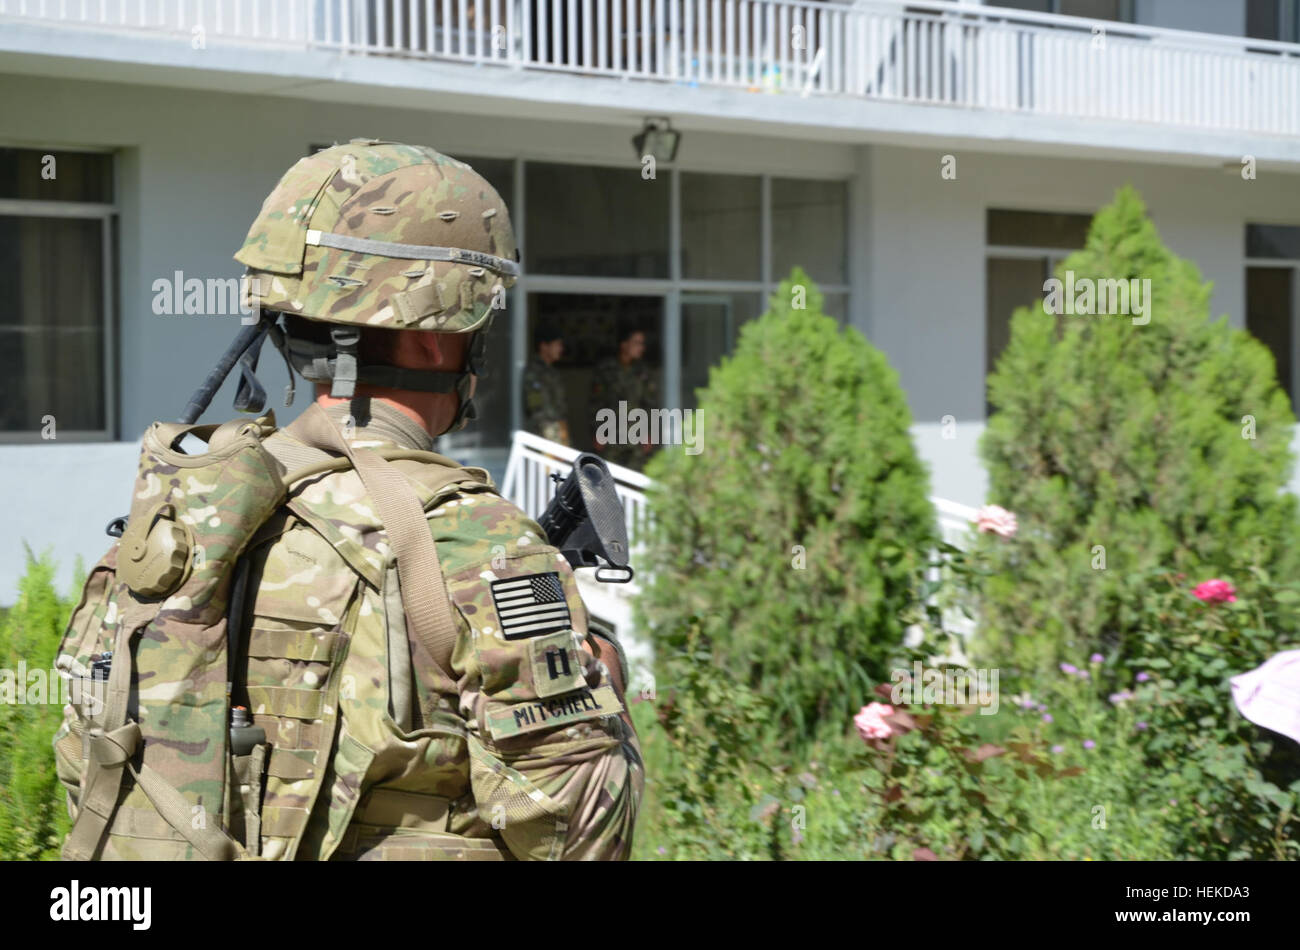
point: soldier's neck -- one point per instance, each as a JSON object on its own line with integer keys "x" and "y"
{"x": 397, "y": 410}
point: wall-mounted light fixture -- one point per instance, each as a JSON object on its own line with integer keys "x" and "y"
{"x": 658, "y": 139}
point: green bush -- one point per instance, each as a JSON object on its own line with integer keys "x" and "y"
{"x": 1236, "y": 786}
{"x": 797, "y": 533}
{"x": 1110, "y": 804}
{"x": 1124, "y": 447}
{"x": 703, "y": 771}
{"x": 33, "y": 813}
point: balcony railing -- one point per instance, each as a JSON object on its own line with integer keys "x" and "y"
{"x": 528, "y": 482}
{"x": 533, "y": 460}
{"x": 935, "y": 53}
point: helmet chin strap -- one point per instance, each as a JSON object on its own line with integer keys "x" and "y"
{"x": 338, "y": 364}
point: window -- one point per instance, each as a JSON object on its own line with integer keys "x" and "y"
{"x": 721, "y": 227}
{"x": 592, "y": 326}
{"x": 711, "y": 323}
{"x": 600, "y": 257}
{"x": 1024, "y": 248}
{"x": 1271, "y": 298}
{"x": 1036, "y": 229}
{"x": 1119, "y": 10}
{"x": 1273, "y": 241}
{"x": 595, "y": 221}
{"x": 56, "y": 245}
{"x": 809, "y": 219}
{"x": 1270, "y": 310}
{"x": 1273, "y": 20}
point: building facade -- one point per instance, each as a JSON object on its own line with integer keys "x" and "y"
{"x": 926, "y": 163}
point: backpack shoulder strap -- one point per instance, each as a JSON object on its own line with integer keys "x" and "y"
{"x": 428, "y": 609}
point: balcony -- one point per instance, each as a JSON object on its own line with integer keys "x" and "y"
{"x": 966, "y": 57}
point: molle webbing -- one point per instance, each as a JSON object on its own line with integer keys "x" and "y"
{"x": 169, "y": 646}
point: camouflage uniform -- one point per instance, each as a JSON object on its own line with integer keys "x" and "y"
{"x": 519, "y": 756}
{"x": 545, "y": 406}
{"x": 633, "y": 383}
{"x": 375, "y": 744}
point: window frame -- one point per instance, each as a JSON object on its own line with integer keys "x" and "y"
{"x": 671, "y": 288}
{"x": 106, "y": 214}
{"x": 1127, "y": 10}
{"x": 1279, "y": 263}
{"x": 1053, "y": 256}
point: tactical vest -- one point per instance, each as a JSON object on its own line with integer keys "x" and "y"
{"x": 155, "y": 763}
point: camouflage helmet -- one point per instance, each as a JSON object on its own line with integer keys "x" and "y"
{"x": 378, "y": 234}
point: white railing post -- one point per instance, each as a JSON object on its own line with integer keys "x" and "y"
{"x": 602, "y": 34}
{"x": 660, "y": 40}
{"x": 557, "y": 37}
{"x": 571, "y": 33}
{"x": 616, "y": 37}
{"x": 588, "y": 44}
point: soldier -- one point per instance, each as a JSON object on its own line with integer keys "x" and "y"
{"x": 545, "y": 406}
{"x": 624, "y": 378}
{"x": 502, "y": 734}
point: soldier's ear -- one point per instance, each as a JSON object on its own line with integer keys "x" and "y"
{"x": 429, "y": 350}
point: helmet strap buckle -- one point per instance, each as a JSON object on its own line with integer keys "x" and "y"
{"x": 345, "y": 361}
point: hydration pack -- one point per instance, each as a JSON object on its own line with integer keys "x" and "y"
{"x": 156, "y": 763}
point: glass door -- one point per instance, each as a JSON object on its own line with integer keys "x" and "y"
{"x": 585, "y": 373}
{"x": 710, "y": 324}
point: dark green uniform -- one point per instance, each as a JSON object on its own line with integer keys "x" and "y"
{"x": 545, "y": 407}
{"x": 633, "y": 383}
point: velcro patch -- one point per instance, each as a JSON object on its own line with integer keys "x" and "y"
{"x": 521, "y": 718}
{"x": 531, "y": 605}
{"x": 557, "y": 664}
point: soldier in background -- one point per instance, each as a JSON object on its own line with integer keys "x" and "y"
{"x": 625, "y": 378}
{"x": 546, "y": 410}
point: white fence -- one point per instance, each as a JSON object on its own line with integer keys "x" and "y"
{"x": 528, "y": 482}
{"x": 965, "y": 55}
{"x": 533, "y": 460}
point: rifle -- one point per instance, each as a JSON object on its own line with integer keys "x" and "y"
{"x": 585, "y": 520}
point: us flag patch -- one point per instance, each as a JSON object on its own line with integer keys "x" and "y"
{"x": 531, "y": 605}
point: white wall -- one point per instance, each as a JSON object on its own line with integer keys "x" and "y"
{"x": 58, "y": 500}
{"x": 927, "y": 236}
{"x": 926, "y": 303}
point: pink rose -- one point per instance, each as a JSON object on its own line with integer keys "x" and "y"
{"x": 1215, "y": 592}
{"x": 996, "y": 520}
{"x": 871, "y": 723}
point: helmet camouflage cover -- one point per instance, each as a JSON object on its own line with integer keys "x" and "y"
{"x": 384, "y": 235}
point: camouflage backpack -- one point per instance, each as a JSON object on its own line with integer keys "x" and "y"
{"x": 156, "y": 763}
